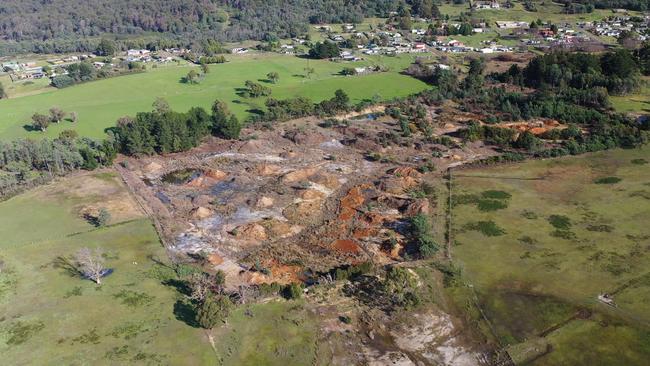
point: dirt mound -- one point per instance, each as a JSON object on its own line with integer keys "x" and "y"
{"x": 277, "y": 228}
{"x": 252, "y": 231}
{"x": 312, "y": 194}
{"x": 152, "y": 168}
{"x": 346, "y": 246}
{"x": 267, "y": 169}
{"x": 215, "y": 174}
{"x": 255, "y": 146}
{"x": 299, "y": 175}
{"x": 305, "y": 137}
{"x": 420, "y": 206}
{"x": 202, "y": 200}
{"x": 397, "y": 185}
{"x": 201, "y": 213}
{"x": 405, "y": 171}
{"x": 304, "y": 211}
{"x": 328, "y": 180}
{"x": 264, "y": 202}
{"x": 350, "y": 203}
{"x": 215, "y": 259}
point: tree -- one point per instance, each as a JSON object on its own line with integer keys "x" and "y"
{"x": 106, "y": 47}
{"x": 40, "y": 121}
{"x": 292, "y": 291}
{"x": 220, "y": 113}
{"x": 309, "y": 71}
{"x": 256, "y": 90}
{"x": 161, "y": 105}
{"x": 103, "y": 217}
{"x": 3, "y": 93}
{"x": 642, "y": 56}
{"x": 273, "y": 77}
{"x": 73, "y": 116}
{"x": 192, "y": 77}
{"x": 213, "y": 310}
{"x": 231, "y": 129}
{"x": 401, "y": 286}
{"x": 91, "y": 264}
{"x": 323, "y": 50}
{"x": 69, "y": 135}
{"x": 56, "y": 114}
{"x": 348, "y": 71}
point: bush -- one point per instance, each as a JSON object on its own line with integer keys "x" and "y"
{"x": 497, "y": 195}
{"x": 608, "y": 180}
{"x": 487, "y": 205}
{"x": 353, "y": 271}
{"x": 292, "y": 291}
{"x": 560, "y": 222}
{"x": 487, "y": 228}
{"x": 423, "y": 235}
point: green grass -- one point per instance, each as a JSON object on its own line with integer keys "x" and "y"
{"x": 549, "y": 11}
{"x": 51, "y": 316}
{"x": 99, "y": 103}
{"x": 565, "y": 240}
{"x": 283, "y": 329}
{"x": 638, "y": 102}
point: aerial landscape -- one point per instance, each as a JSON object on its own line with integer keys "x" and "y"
{"x": 325, "y": 182}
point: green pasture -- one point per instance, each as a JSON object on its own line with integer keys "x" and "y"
{"x": 542, "y": 239}
{"x": 638, "y": 102}
{"x": 49, "y": 315}
{"x": 99, "y": 103}
{"x": 546, "y": 10}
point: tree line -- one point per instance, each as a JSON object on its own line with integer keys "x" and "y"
{"x": 77, "y": 25}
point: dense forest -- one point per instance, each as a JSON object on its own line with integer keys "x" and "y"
{"x": 585, "y": 6}
{"x": 76, "y": 25}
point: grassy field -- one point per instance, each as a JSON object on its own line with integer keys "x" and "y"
{"x": 546, "y": 10}
{"x": 540, "y": 240}
{"x": 638, "y": 102}
{"x": 100, "y": 103}
{"x": 51, "y": 316}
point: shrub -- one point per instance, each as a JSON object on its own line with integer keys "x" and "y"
{"x": 608, "y": 180}
{"x": 639, "y": 161}
{"x": 497, "y": 195}
{"x": 292, "y": 291}
{"x": 491, "y": 205}
{"x": 560, "y": 222}
{"x": 487, "y": 228}
{"x": 423, "y": 235}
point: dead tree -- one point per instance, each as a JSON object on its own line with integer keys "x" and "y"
{"x": 91, "y": 264}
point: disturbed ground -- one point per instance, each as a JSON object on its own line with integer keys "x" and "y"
{"x": 301, "y": 197}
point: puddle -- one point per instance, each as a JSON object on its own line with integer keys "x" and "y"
{"x": 163, "y": 198}
{"x": 247, "y": 157}
{"x": 181, "y": 176}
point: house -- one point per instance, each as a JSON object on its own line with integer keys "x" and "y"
{"x": 348, "y": 27}
{"x": 360, "y": 70}
{"x": 137, "y": 52}
{"x": 420, "y": 47}
{"x": 486, "y": 5}
{"x": 546, "y": 32}
{"x": 11, "y": 67}
{"x": 239, "y": 50}
{"x": 98, "y": 65}
{"x": 502, "y": 24}
{"x": 323, "y": 28}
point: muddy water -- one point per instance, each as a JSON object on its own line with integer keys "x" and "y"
{"x": 181, "y": 176}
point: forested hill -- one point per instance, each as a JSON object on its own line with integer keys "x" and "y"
{"x": 61, "y": 24}
{"x": 640, "y": 5}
